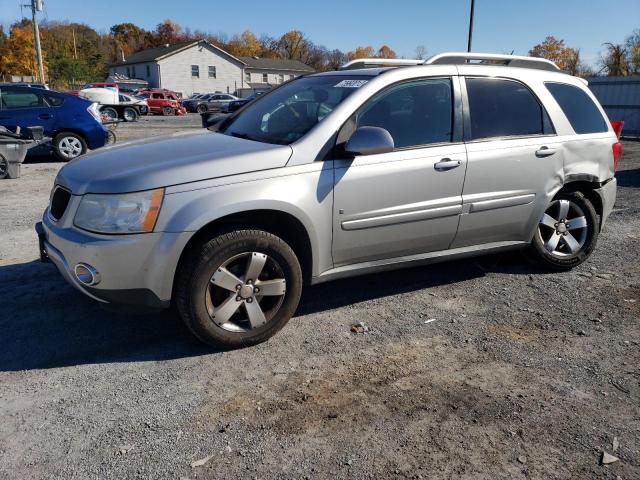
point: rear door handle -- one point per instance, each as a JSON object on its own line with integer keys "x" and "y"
{"x": 45, "y": 116}
{"x": 545, "y": 152}
{"x": 446, "y": 164}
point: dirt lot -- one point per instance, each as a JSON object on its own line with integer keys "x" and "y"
{"x": 521, "y": 373}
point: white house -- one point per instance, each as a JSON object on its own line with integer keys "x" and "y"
{"x": 201, "y": 67}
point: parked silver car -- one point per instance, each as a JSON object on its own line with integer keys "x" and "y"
{"x": 333, "y": 175}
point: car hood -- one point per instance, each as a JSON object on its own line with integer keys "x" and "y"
{"x": 171, "y": 160}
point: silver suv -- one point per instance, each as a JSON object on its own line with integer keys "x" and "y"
{"x": 338, "y": 174}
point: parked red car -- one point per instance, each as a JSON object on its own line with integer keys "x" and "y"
{"x": 162, "y": 101}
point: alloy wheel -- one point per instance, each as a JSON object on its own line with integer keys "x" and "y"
{"x": 563, "y": 228}
{"x": 245, "y": 292}
{"x": 70, "y": 147}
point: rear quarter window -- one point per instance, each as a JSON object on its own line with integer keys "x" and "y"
{"x": 582, "y": 113}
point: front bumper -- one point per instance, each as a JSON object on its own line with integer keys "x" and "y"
{"x": 135, "y": 270}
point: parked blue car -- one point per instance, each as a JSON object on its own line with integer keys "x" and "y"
{"x": 72, "y": 123}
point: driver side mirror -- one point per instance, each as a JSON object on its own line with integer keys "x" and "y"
{"x": 369, "y": 141}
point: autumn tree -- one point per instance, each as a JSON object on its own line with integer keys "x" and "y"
{"x": 167, "y": 32}
{"x": 293, "y": 45}
{"x": 385, "y": 52}
{"x": 360, "y": 52}
{"x": 567, "y": 59}
{"x": 246, "y": 44}
{"x": 18, "y": 57}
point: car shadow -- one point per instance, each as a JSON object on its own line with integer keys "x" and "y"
{"x": 46, "y": 323}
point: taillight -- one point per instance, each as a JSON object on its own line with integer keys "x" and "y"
{"x": 617, "y": 126}
{"x": 617, "y": 153}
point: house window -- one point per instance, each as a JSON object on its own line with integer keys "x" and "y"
{"x": 265, "y": 78}
{"x": 133, "y": 72}
{"x": 128, "y": 72}
{"x": 291, "y": 77}
{"x": 212, "y": 71}
{"x": 148, "y": 71}
{"x": 195, "y": 71}
{"x": 247, "y": 77}
{"x": 281, "y": 78}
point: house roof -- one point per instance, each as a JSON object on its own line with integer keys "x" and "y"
{"x": 152, "y": 54}
{"x": 275, "y": 64}
{"x": 158, "y": 53}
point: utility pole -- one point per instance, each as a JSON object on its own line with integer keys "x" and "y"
{"x": 36, "y": 6}
{"x": 470, "y": 26}
{"x": 75, "y": 51}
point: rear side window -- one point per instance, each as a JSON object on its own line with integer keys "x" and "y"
{"x": 582, "y": 113}
{"x": 15, "y": 99}
{"x": 504, "y": 108}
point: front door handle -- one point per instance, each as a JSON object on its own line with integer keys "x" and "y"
{"x": 45, "y": 116}
{"x": 446, "y": 164}
{"x": 545, "y": 152}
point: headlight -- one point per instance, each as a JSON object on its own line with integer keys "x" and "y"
{"x": 125, "y": 213}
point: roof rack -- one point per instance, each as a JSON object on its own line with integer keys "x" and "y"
{"x": 379, "y": 62}
{"x": 462, "y": 58}
{"x": 456, "y": 58}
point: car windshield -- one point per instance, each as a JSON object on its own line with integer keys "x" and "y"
{"x": 289, "y": 112}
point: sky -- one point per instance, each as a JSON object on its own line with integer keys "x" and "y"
{"x": 500, "y": 26}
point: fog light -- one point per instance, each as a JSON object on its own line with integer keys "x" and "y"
{"x": 86, "y": 274}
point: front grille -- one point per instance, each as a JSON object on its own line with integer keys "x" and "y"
{"x": 59, "y": 202}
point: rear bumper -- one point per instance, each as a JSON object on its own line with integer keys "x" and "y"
{"x": 134, "y": 270}
{"x": 607, "y": 193}
{"x": 97, "y": 136}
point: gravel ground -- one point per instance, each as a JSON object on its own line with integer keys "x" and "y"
{"x": 483, "y": 368}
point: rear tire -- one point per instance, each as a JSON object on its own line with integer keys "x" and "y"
{"x": 213, "y": 306}
{"x": 130, "y": 114}
{"x": 4, "y": 167}
{"x": 202, "y": 108}
{"x": 166, "y": 111}
{"x": 567, "y": 233}
{"x": 69, "y": 145}
{"x": 110, "y": 113}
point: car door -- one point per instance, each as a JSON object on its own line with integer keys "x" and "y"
{"x": 25, "y": 107}
{"x": 406, "y": 201}
{"x": 514, "y": 161}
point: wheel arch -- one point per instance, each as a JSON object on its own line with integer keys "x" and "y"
{"x": 280, "y": 223}
{"x": 588, "y": 186}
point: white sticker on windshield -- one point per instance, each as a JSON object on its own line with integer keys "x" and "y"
{"x": 350, "y": 84}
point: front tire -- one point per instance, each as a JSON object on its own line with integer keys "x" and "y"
{"x": 130, "y": 114}
{"x": 68, "y": 145}
{"x": 167, "y": 111}
{"x": 239, "y": 288}
{"x": 202, "y": 108}
{"x": 566, "y": 234}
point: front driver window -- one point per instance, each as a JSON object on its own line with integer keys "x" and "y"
{"x": 415, "y": 113}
